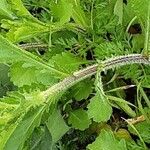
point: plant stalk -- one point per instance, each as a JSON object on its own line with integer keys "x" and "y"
{"x": 91, "y": 70}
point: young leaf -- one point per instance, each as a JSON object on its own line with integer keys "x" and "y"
{"x": 79, "y": 119}
{"x": 56, "y": 126}
{"x": 65, "y": 62}
{"x": 107, "y": 141}
{"x": 99, "y": 109}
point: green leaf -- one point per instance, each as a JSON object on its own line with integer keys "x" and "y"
{"x": 140, "y": 8}
{"x": 142, "y": 11}
{"x": 65, "y": 62}
{"x": 15, "y": 136}
{"x": 10, "y": 53}
{"x": 82, "y": 90}
{"x": 78, "y": 14}
{"x": 5, "y": 11}
{"x": 40, "y": 138}
{"x": 22, "y": 76}
{"x": 99, "y": 109}
{"x": 118, "y": 10}
{"x": 5, "y": 83}
{"x": 56, "y": 126}
{"x": 21, "y": 30}
{"x": 20, "y": 10}
{"x": 144, "y": 130}
{"x": 107, "y": 141}
{"x": 107, "y": 49}
{"x": 65, "y": 13}
{"x": 79, "y": 119}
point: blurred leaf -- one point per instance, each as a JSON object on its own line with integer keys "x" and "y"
{"x": 118, "y": 10}
{"x": 144, "y": 130}
{"x": 5, "y": 11}
{"x": 107, "y": 141}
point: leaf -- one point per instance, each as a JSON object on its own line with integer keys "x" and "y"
{"x": 99, "y": 109}
{"x": 10, "y": 53}
{"x": 5, "y": 11}
{"x": 22, "y": 76}
{"x": 118, "y": 10}
{"x": 5, "y": 84}
{"x": 78, "y": 14}
{"x": 144, "y": 130}
{"x": 21, "y": 30}
{"x": 41, "y": 138}
{"x": 65, "y": 13}
{"x": 65, "y": 62}
{"x": 82, "y": 90}
{"x": 15, "y": 136}
{"x": 107, "y": 49}
{"x": 56, "y": 126}
{"x": 107, "y": 141}
{"x": 142, "y": 10}
{"x": 20, "y": 10}
{"x": 79, "y": 119}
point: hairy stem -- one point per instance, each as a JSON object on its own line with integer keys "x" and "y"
{"x": 91, "y": 70}
{"x": 33, "y": 45}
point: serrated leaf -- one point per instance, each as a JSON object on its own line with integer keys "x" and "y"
{"x": 130, "y": 71}
{"x": 65, "y": 62}
{"x": 99, "y": 109}
{"x": 79, "y": 119}
{"x": 82, "y": 90}
{"x": 107, "y": 49}
{"x": 56, "y": 126}
{"x": 21, "y": 30}
{"x": 22, "y": 76}
{"x": 107, "y": 141}
{"x": 44, "y": 77}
